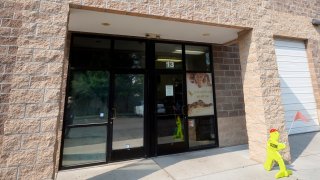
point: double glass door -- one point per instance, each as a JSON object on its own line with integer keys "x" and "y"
{"x": 104, "y": 108}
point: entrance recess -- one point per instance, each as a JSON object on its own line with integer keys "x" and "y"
{"x": 129, "y": 98}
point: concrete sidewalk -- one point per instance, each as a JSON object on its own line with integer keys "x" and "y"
{"x": 220, "y": 163}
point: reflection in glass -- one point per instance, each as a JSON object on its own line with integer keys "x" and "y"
{"x": 91, "y": 42}
{"x": 89, "y": 52}
{"x": 201, "y": 131}
{"x": 88, "y": 100}
{"x": 197, "y": 58}
{"x": 85, "y": 145}
{"x": 170, "y": 129}
{"x": 168, "y": 56}
{"x": 129, "y": 107}
{"x": 169, "y": 109}
{"x": 129, "y": 54}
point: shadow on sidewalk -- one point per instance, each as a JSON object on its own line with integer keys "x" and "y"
{"x": 198, "y": 163}
{"x": 136, "y": 170}
{"x": 300, "y": 144}
{"x": 154, "y": 168}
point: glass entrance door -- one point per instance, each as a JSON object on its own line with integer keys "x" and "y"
{"x": 128, "y": 116}
{"x": 169, "y": 99}
{"x": 170, "y": 118}
{"x": 127, "y": 99}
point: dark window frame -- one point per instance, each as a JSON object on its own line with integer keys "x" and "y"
{"x": 149, "y": 71}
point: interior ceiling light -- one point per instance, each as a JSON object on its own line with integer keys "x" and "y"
{"x": 105, "y": 24}
{"x": 168, "y": 60}
{"x": 191, "y": 52}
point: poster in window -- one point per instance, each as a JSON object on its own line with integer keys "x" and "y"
{"x": 169, "y": 90}
{"x": 199, "y": 94}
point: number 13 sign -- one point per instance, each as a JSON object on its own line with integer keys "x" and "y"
{"x": 169, "y": 64}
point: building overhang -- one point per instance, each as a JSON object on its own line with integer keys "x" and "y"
{"x": 147, "y": 26}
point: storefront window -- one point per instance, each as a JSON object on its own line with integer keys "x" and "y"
{"x": 197, "y": 58}
{"x": 201, "y": 131}
{"x": 129, "y": 54}
{"x": 90, "y": 52}
{"x": 128, "y": 98}
{"x": 199, "y": 94}
{"x": 168, "y": 56}
{"x": 86, "y": 107}
{"x": 85, "y": 145}
{"x": 88, "y": 100}
{"x": 201, "y": 121}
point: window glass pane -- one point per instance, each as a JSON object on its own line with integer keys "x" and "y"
{"x": 169, "y": 109}
{"x": 197, "y": 58}
{"x": 168, "y": 56}
{"x": 91, "y": 42}
{"x": 199, "y": 94}
{"x": 88, "y": 52}
{"x": 169, "y": 94}
{"x": 170, "y": 129}
{"x": 129, "y": 107}
{"x": 129, "y": 54}
{"x": 84, "y": 145}
{"x": 201, "y": 131}
{"x": 87, "y": 101}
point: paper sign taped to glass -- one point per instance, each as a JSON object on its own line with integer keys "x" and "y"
{"x": 199, "y": 94}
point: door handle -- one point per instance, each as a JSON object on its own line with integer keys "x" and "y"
{"x": 184, "y": 110}
{"x": 114, "y": 113}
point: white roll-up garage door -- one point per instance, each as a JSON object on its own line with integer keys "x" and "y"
{"x": 296, "y": 88}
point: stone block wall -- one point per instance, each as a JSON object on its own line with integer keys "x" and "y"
{"x": 32, "y": 41}
{"x": 256, "y": 120}
{"x": 228, "y": 82}
{"x": 229, "y": 96}
{"x": 310, "y": 8}
{"x": 32, "y": 55}
{"x": 313, "y": 54}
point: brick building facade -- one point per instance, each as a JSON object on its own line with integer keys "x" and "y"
{"x": 34, "y": 54}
